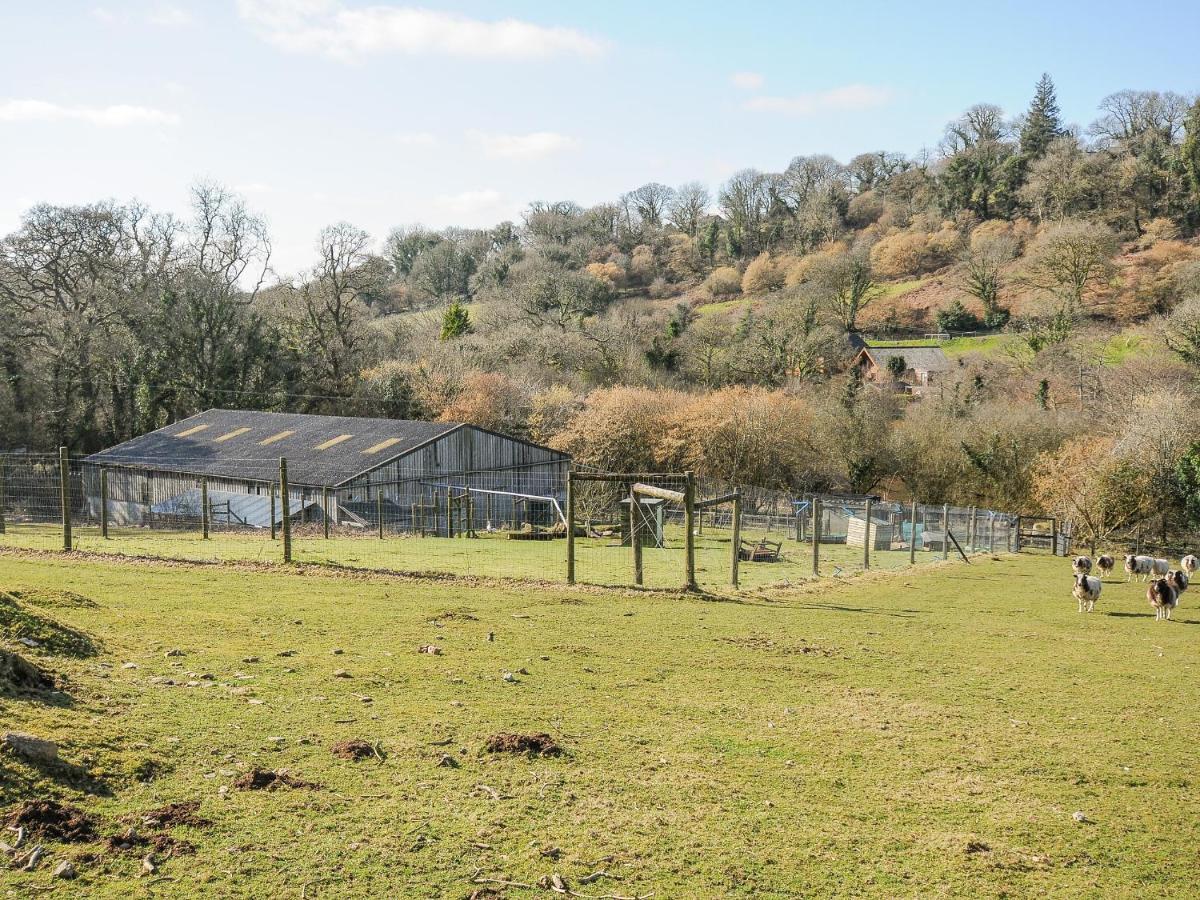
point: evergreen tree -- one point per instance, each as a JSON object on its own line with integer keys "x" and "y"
{"x": 1190, "y": 151}
{"x": 455, "y": 322}
{"x": 1042, "y": 123}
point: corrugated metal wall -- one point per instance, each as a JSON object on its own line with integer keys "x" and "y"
{"x": 467, "y": 457}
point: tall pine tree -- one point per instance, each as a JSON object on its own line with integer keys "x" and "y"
{"x": 1042, "y": 123}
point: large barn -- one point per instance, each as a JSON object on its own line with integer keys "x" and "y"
{"x": 236, "y": 453}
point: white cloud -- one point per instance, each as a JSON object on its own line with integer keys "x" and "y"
{"x": 847, "y": 97}
{"x": 167, "y": 15}
{"x": 416, "y": 139}
{"x": 114, "y": 116}
{"x": 476, "y": 208}
{"x": 535, "y": 145}
{"x": 747, "y": 81}
{"x": 331, "y": 29}
{"x": 252, "y": 187}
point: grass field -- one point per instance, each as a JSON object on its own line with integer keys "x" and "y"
{"x": 987, "y": 344}
{"x": 920, "y": 733}
{"x": 598, "y": 560}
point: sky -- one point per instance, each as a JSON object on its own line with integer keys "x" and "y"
{"x": 384, "y": 113}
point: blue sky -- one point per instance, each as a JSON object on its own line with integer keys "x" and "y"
{"x": 383, "y": 113}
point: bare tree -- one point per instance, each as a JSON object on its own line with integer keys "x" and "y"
{"x": 688, "y": 207}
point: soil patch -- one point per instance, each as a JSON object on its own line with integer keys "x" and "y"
{"x": 267, "y": 780}
{"x": 17, "y": 674}
{"x": 355, "y": 748}
{"x": 51, "y": 820}
{"x": 540, "y": 744}
{"x": 159, "y": 842}
{"x": 173, "y": 815}
{"x": 756, "y": 642}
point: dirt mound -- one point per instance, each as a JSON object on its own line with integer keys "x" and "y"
{"x": 18, "y": 674}
{"x": 45, "y": 597}
{"x": 540, "y": 744}
{"x": 51, "y": 820}
{"x": 354, "y": 748}
{"x": 267, "y": 780}
{"x": 159, "y": 842}
{"x": 48, "y": 636}
{"x": 454, "y": 615}
{"x": 172, "y": 815}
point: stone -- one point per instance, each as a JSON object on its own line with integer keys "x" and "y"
{"x": 65, "y": 870}
{"x": 175, "y": 652}
{"x": 31, "y": 747}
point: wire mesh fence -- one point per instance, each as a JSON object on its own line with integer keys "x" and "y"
{"x": 657, "y": 530}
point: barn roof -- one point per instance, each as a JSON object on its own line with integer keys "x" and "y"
{"x": 231, "y": 443}
{"x": 924, "y": 358}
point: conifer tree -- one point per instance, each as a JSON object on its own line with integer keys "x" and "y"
{"x": 1042, "y": 123}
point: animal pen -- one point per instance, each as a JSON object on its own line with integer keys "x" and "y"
{"x": 529, "y": 517}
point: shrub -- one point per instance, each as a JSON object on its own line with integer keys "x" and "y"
{"x": 899, "y": 254}
{"x": 762, "y": 275}
{"x": 956, "y": 317}
{"x": 725, "y": 281}
{"x": 608, "y": 272}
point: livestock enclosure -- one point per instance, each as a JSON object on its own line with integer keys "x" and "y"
{"x": 543, "y": 522}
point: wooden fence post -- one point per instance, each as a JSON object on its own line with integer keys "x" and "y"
{"x": 689, "y": 518}
{"x": 570, "y": 526}
{"x": 286, "y": 510}
{"x": 449, "y": 513}
{"x": 64, "y": 494}
{"x": 379, "y": 510}
{"x": 3, "y": 476}
{"x": 945, "y": 531}
{"x": 867, "y": 538}
{"x": 635, "y": 540}
{"x": 991, "y": 533}
{"x": 103, "y": 505}
{"x": 325, "y": 510}
{"x": 912, "y": 536}
{"x": 470, "y": 514}
{"x": 1054, "y": 537}
{"x": 204, "y": 512}
{"x": 816, "y": 536}
{"x": 273, "y": 532}
{"x": 735, "y": 556}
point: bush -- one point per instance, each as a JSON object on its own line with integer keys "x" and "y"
{"x": 725, "y": 281}
{"x": 956, "y": 317}
{"x": 608, "y": 272}
{"x": 899, "y": 254}
{"x": 762, "y": 275}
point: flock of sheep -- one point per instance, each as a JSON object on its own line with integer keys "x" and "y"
{"x": 1166, "y": 584}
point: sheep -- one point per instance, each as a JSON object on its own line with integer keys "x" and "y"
{"x": 1189, "y": 564}
{"x": 1178, "y": 580}
{"x": 1087, "y": 591}
{"x": 1137, "y": 565}
{"x": 1162, "y": 597}
{"x": 1105, "y": 564}
{"x": 1081, "y": 565}
{"x": 1159, "y": 568}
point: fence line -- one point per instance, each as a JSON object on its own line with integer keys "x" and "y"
{"x": 657, "y": 530}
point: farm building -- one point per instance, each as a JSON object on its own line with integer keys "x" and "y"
{"x": 400, "y": 469}
{"x": 922, "y": 364}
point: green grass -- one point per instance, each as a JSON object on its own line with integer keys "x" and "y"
{"x": 599, "y": 561}
{"x": 987, "y": 344}
{"x": 913, "y": 734}
{"x": 1122, "y": 347}
{"x": 894, "y": 289}
{"x": 738, "y": 305}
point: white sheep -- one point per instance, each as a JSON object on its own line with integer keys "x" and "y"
{"x": 1162, "y": 597}
{"x": 1159, "y": 568}
{"x": 1081, "y": 565}
{"x": 1105, "y": 564}
{"x": 1189, "y": 564}
{"x": 1137, "y": 565}
{"x": 1087, "y": 591}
